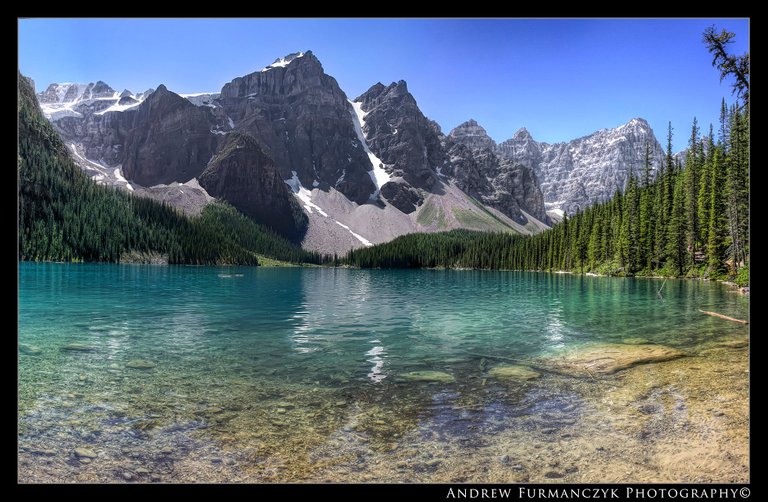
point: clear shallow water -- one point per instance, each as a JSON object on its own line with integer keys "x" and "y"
{"x": 269, "y": 373}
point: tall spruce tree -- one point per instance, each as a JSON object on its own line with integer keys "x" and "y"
{"x": 717, "y": 226}
{"x": 646, "y": 217}
{"x": 691, "y": 175}
{"x": 705, "y": 184}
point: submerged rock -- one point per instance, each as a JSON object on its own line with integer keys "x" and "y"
{"x": 31, "y": 350}
{"x": 606, "y": 359}
{"x": 140, "y": 364}
{"x": 428, "y": 376}
{"x": 734, "y": 344}
{"x": 516, "y": 372}
{"x": 78, "y": 347}
{"x": 636, "y": 341}
{"x": 85, "y": 453}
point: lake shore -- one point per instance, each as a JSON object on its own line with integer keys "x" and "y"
{"x": 691, "y": 425}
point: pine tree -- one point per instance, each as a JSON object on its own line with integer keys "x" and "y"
{"x": 728, "y": 64}
{"x": 717, "y": 227}
{"x": 678, "y": 229}
{"x": 705, "y": 184}
{"x": 646, "y": 216}
{"x": 629, "y": 237}
{"x": 738, "y": 188}
{"x": 691, "y": 175}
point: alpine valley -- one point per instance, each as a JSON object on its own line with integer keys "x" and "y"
{"x": 277, "y": 282}
{"x": 288, "y": 148}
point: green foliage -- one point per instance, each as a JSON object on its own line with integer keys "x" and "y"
{"x": 430, "y": 214}
{"x": 233, "y": 226}
{"x": 728, "y": 64}
{"x": 688, "y": 222}
{"x": 717, "y": 229}
{"x": 64, "y": 216}
{"x": 742, "y": 277}
{"x": 482, "y": 218}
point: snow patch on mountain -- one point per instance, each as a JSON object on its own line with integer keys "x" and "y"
{"x": 356, "y": 236}
{"x": 119, "y": 108}
{"x": 305, "y": 196}
{"x": 77, "y": 100}
{"x": 119, "y": 177}
{"x": 99, "y": 172}
{"x": 378, "y": 175}
{"x": 284, "y": 61}
{"x": 202, "y": 98}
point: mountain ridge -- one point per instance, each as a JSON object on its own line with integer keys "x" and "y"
{"x": 377, "y": 150}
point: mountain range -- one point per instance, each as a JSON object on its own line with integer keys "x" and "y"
{"x": 287, "y": 147}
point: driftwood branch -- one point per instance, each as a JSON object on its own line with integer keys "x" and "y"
{"x": 723, "y": 316}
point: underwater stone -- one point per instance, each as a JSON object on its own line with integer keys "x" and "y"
{"x": 85, "y": 453}
{"x": 31, "y": 350}
{"x": 515, "y": 371}
{"x": 428, "y": 376}
{"x": 140, "y": 364}
{"x": 605, "y": 359}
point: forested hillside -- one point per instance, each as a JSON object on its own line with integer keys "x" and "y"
{"x": 64, "y": 216}
{"x": 689, "y": 220}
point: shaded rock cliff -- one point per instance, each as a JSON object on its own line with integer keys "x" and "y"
{"x": 241, "y": 173}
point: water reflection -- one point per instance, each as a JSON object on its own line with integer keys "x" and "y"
{"x": 342, "y": 313}
{"x": 376, "y": 374}
{"x": 555, "y": 325}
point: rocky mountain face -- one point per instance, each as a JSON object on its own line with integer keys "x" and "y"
{"x": 478, "y": 167}
{"x": 285, "y": 145}
{"x": 587, "y": 170}
{"x": 302, "y": 118}
{"x": 170, "y": 140}
{"x": 161, "y": 142}
{"x": 405, "y": 142}
{"x": 472, "y": 135}
{"x": 69, "y": 93}
{"x": 82, "y": 113}
{"x": 242, "y": 174}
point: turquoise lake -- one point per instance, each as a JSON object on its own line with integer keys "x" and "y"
{"x": 184, "y": 374}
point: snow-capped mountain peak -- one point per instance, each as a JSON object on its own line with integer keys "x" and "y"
{"x": 61, "y": 100}
{"x": 284, "y": 61}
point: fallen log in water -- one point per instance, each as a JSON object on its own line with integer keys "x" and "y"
{"x": 722, "y": 316}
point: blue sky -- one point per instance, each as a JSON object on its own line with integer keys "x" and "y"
{"x": 559, "y": 78}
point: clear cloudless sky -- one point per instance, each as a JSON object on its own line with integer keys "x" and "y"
{"x": 559, "y": 78}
